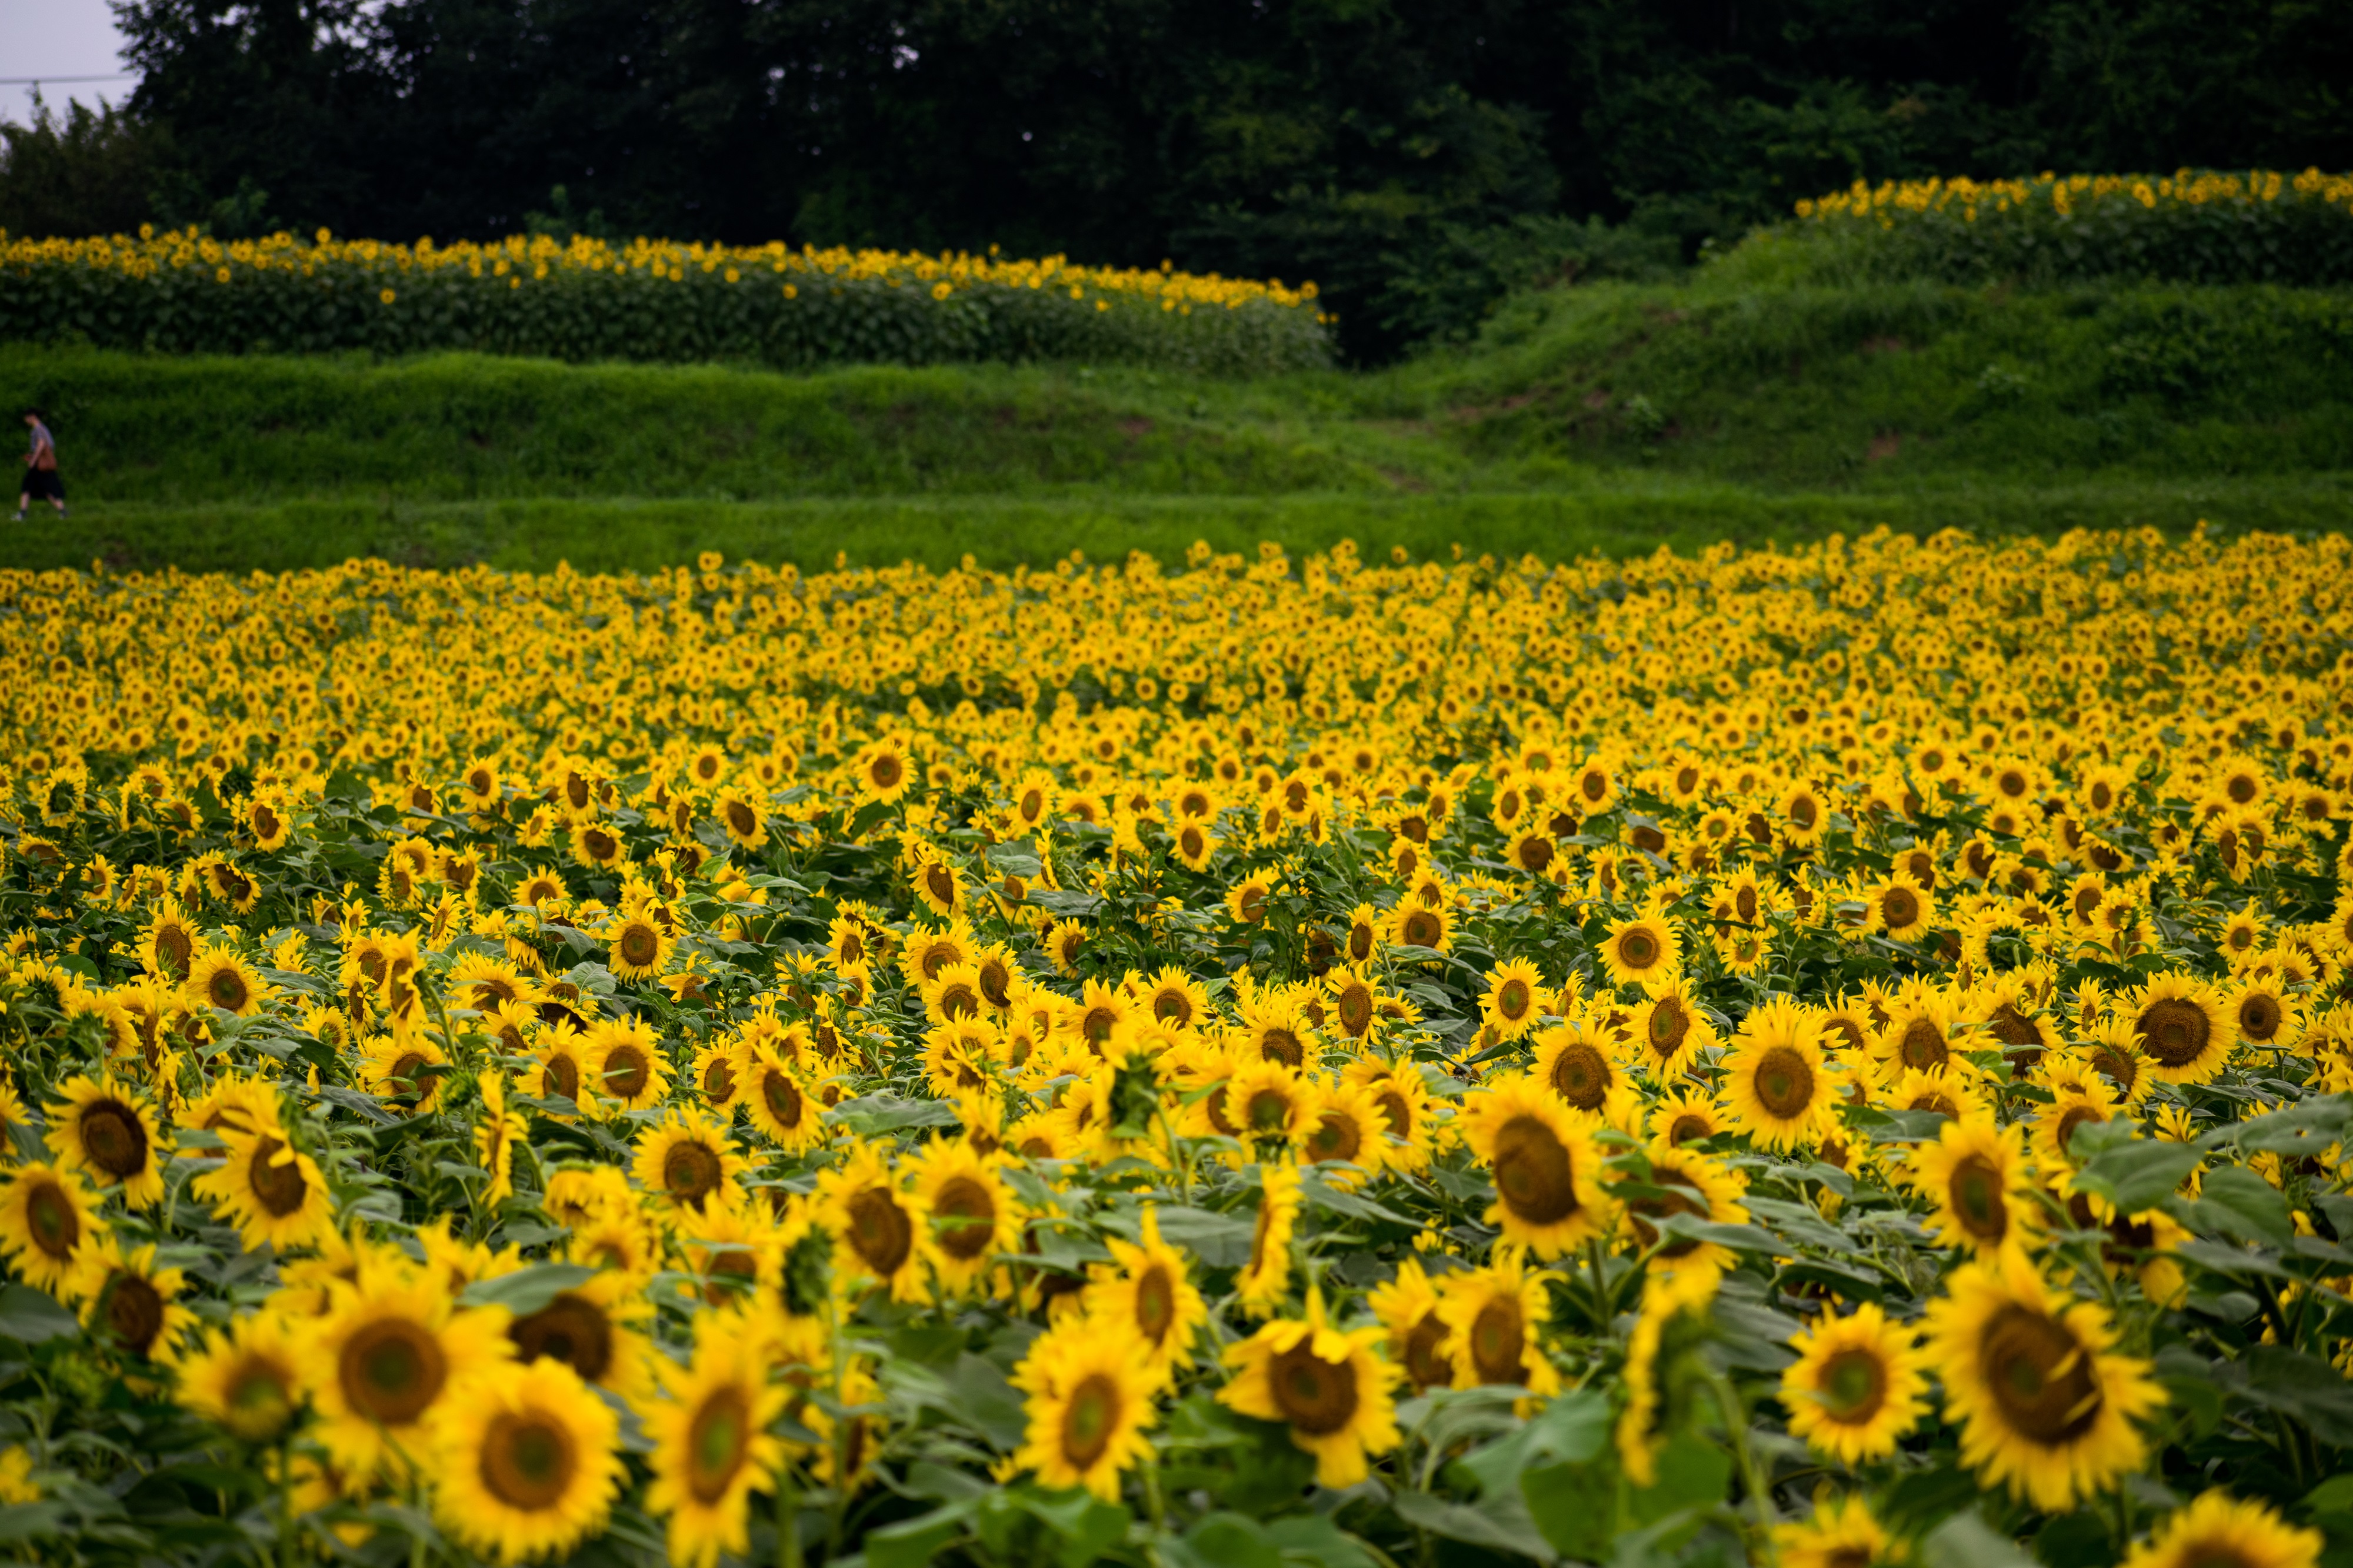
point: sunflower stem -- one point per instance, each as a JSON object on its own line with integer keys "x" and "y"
{"x": 1735, "y": 1426}
{"x": 788, "y": 1518}
{"x": 1177, "y": 1156}
{"x": 286, "y": 1501}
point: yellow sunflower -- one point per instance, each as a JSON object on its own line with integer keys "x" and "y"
{"x": 49, "y": 1221}
{"x": 2182, "y": 1028}
{"x": 1264, "y": 1279}
{"x": 1669, "y": 1031}
{"x": 2044, "y": 1405}
{"x": 974, "y": 1214}
{"x": 689, "y": 1159}
{"x": 246, "y": 1380}
{"x": 127, "y": 1302}
{"x": 269, "y": 1189}
{"x": 1574, "y": 1067}
{"x": 781, "y": 1104}
{"x": 109, "y": 1137}
{"x": 1408, "y": 1307}
{"x": 2218, "y": 1532}
{"x": 623, "y": 1061}
{"x": 882, "y": 770}
{"x": 559, "y": 1067}
{"x": 1512, "y": 999}
{"x": 1976, "y": 1175}
{"x": 1917, "y": 1035}
{"x": 1780, "y": 1091}
{"x": 1090, "y": 1384}
{"x": 168, "y": 946}
{"x": 711, "y": 1444}
{"x": 1326, "y": 1385}
{"x": 597, "y": 1329}
{"x": 1842, "y": 1533}
{"x": 528, "y": 1462}
{"x": 880, "y": 1231}
{"x": 218, "y": 977}
{"x": 379, "y": 1362}
{"x": 1146, "y": 1286}
{"x": 1547, "y": 1172}
{"x": 637, "y": 946}
{"x": 1860, "y": 1383}
{"x": 391, "y": 1067}
{"x": 1688, "y": 1116}
{"x": 1683, "y": 1181}
{"x": 1344, "y": 1129}
{"x": 1492, "y": 1316}
{"x": 1641, "y": 951}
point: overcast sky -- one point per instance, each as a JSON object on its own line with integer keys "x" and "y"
{"x": 52, "y": 38}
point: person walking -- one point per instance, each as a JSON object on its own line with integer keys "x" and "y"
{"x": 41, "y": 469}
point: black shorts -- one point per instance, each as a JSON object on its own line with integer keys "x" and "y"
{"x": 43, "y": 484}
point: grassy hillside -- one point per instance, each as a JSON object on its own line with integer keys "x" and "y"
{"x": 1611, "y": 416}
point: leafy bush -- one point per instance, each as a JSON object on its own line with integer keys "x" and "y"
{"x": 181, "y": 292}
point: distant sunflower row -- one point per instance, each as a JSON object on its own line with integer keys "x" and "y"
{"x": 183, "y": 291}
{"x": 2192, "y": 226}
{"x": 1837, "y": 1057}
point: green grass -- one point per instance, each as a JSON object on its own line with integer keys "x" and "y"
{"x": 1609, "y": 418}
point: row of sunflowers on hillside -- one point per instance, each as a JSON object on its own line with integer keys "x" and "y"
{"x": 2192, "y": 226}
{"x": 1829, "y": 1057}
{"x": 183, "y": 291}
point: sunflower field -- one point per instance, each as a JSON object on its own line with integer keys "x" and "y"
{"x": 181, "y": 291}
{"x": 1827, "y": 1057}
{"x": 2190, "y": 226}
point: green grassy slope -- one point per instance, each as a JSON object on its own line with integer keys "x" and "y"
{"x": 1612, "y": 417}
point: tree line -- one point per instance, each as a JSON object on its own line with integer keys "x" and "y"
{"x": 1415, "y": 160}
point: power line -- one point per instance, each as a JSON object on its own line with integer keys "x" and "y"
{"x": 38, "y": 81}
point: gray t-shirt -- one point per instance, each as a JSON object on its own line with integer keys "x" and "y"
{"x": 43, "y": 447}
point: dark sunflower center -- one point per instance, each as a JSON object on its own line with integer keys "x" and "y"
{"x": 1900, "y": 908}
{"x": 783, "y": 1100}
{"x": 879, "y": 1231}
{"x": 279, "y": 1188}
{"x": 1356, "y": 1008}
{"x": 570, "y": 1329}
{"x": 971, "y": 1213}
{"x": 1421, "y": 929}
{"x": 626, "y": 1071}
{"x": 134, "y": 1311}
{"x": 1497, "y": 1338}
{"x": 691, "y": 1172}
{"x": 717, "y": 1442}
{"x": 1785, "y": 1083}
{"x": 940, "y": 882}
{"x": 1685, "y": 1128}
{"x": 2175, "y": 1031}
{"x": 563, "y": 1077}
{"x": 1315, "y": 1396}
{"x": 1580, "y": 1076}
{"x": 1977, "y": 1198}
{"x": 1533, "y": 1173}
{"x": 640, "y": 944}
{"x": 1853, "y": 1387}
{"x": 1638, "y": 949}
{"x": 1088, "y": 1420}
{"x": 1268, "y": 1109}
{"x": 718, "y": 1079}
{"x": 226, "y": 991}
{"x": 1395, "y": 1112}
{"x": 175, "y": 947}
{"x": 1669, "y": 1025}
{"x": 1423, "y": 1362}
{"x": 1280, "y": 1044}
{"x": 2039, "y": 1375}
{"x": 2259, "y": 1017}
{"x": 112, "y": 1139}
{"x": 1156, "y": 1303}
{"x": 391, "y": 1370}
{"x": 1922, "y": 1046}
{"x": 528, "y": 1460}
{"x": 1336, "y": 1137}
